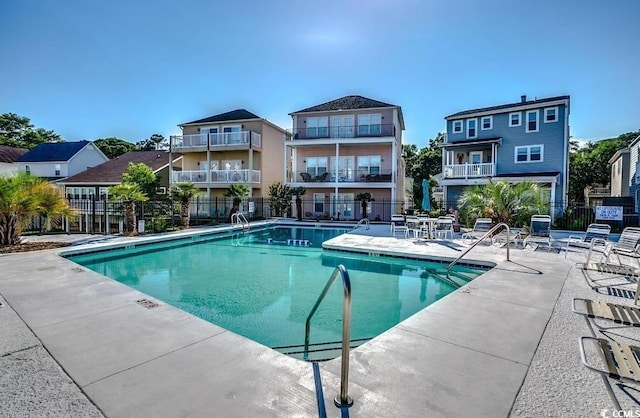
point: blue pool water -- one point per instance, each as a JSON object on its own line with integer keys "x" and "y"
{"x": 262, "y": 285}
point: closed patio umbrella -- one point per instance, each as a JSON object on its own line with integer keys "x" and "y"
{"x": 426, "y": 202}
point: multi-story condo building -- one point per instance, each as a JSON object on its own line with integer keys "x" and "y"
{"x": 527, "y": 140}
{"x": 345, "y": 147}
{"x": 236, "y": 147}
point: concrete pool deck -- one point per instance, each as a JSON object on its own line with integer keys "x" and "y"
{"x": 503, "y": 345}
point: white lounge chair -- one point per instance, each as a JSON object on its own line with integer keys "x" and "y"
{"x": 627, "y": 245}
{"x": 598, "y": 232}
{"x": 480, "y": 228}
{"x": 539, "y": 231}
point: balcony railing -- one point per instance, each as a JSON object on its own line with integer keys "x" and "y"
{"x": 217, "y": 176}
{"x": 361, "y": 131}
{"x": 222, "y": 139}
{"x": 343, "y": 176}
{"x": 599, "y": 191}
{"x": 454, "y": 171}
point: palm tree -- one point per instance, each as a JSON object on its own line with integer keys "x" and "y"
{"x": 503, "y": 202}
{"x": 184, "y": 192}
{"x": 297, "y": 192}
{"x": 364, "y": 198}
{"x": 128, "y": 195}
{"x": 21, "y": 198}
{"x": 237, "y": 191}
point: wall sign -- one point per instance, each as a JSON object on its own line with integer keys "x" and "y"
{"x": 609, "y": 213}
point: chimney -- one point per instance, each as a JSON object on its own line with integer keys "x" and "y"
{"x": 523, "y": 98}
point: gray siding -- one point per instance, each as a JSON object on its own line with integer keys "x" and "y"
{"x": 550, "y": 135}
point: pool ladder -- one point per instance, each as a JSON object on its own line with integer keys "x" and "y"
{"x": 488, "y": 234}
{"x": 342, "y": 400}
{"x": 238, "y": 218}
{"x": 363, "y": 221}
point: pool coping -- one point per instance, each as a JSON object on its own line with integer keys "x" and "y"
{"x": 409, "y": 370}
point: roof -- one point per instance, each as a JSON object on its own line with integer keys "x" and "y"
{"x": 346, "y": 103}
{"x": 536, "y": 174}
{"x": 238, "y": 114}
{"x": 508, "y": 106}
{"x": 11, "y": 154}
{"x": 53, "y": 151}
{"x": 111, "y": 171}
{"x": 619, "y": 154}
{"x": 467, "y": 142}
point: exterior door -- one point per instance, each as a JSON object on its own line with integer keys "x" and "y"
{"x": 342, "y": 126}
{"x": 342, "y": 205}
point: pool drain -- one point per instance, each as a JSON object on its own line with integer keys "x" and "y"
{"x": 147, "y": 303}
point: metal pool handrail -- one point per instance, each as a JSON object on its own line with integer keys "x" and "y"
{"x": 489, "y": 233}
{"x": 240, "y": 219}
{"x": 343, "y": 399}
{"x": 362, "y": 221}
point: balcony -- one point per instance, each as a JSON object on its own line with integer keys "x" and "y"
{"x": 342, "y": 176}
{"x": 216, "y": 140}
{"x": 467, "y": 170}
{"x": 362, "y": 131}
{"x": 216, "y": 176}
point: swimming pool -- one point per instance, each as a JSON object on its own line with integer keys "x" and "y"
{"x": 262, "y": 285}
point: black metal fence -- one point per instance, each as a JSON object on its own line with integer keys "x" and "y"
{"x": 103, "y": 217}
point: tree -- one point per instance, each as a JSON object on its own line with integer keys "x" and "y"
{"x": 21, "y": 198}
{"x": 237, "y": 191}
{"x": 280, "y": 195}
{"x": 184, "y": 192}
{"x": 590, "y": 164}
{"x": 128, "y": 195}
{"x": 422, "y": 164}
{"x": 17, "y": 131}
{"x": 364, "y": 198}
{"x": 298, "y": 192}
{"x": 114, "y": 147}
{"x": 154, "y": 142}
{"x": 143, "y": 176}
{"x": 503, "y": 202}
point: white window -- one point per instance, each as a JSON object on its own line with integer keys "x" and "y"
{"x": 457, "y": 126}
{"x": 532, "y": 121}
{"x": 486, "y": 122}
{"x": 27, "y": 169}
{"x": 57, "y": 169}
{"x": 318, "y": 127}
{"x": 369, "y": 124}
{"x": 529, "y": 154}
{"x": 317, "y": 165}
{"x": 515, "y": 119}
{"x": 103, "y": 191}
{"x": 472, "y": 128}
{"x": 369, "y": 165}
{"x": 551, "y": 114}
{"x": 318, "y": 202}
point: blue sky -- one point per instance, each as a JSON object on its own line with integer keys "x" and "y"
{"x": 92, "y": 69}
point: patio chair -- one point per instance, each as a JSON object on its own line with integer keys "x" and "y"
{"x": 413, "y": 225}
{"x": 480, "y": 228}
{"x": 444, "y": 226}
{"x": 596, "y": 234}
{"x": 627, "y": 245}
{"x": 618, "y": 361}
{"x": 619, "y": 314}
{"x": 399, "y": 225}
{"x": 539, "y": 231}
{"x": 306, "y": 177}
{"x": 322, "y": 177}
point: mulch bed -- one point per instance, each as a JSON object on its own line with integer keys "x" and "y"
{"x": 32, "y": 246}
